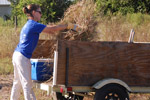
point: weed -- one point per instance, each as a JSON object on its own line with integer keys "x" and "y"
{"x": 6, "y": 66}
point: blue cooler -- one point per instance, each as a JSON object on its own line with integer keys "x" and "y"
{"x": 41, "y": 69}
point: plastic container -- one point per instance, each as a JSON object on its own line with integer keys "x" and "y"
{"x": 41, "y": 69}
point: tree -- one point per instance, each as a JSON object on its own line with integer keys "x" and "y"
{"x": 52, "y": 10}
{"x": 123, "y": 6}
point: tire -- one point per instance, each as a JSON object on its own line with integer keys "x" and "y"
{"x": 58, "y": 96}
{"x": 76, "y": 97}
{"x": 71, "y": 97}
{"x": 111, "y": 92}
{"x": 0, "y": 87}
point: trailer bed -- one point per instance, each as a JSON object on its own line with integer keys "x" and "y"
{"x": 85, "y": 63}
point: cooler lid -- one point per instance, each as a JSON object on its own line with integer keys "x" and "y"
{"x": 42, "y": 60}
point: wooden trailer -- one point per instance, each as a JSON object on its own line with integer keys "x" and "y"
{"x": 100, "y": 70}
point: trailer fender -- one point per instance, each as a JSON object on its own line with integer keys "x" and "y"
{"x": 103, "y": 82}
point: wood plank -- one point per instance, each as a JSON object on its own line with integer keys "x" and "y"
{"x": 61, "y": 66}
{"x": 90, "y": 62}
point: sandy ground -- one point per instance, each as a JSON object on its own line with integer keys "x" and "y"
{"x": 6, "y": 84}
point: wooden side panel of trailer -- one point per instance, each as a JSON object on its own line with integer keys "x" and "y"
{"x": 44, "y": 49}
{"x": 90, "y": 62}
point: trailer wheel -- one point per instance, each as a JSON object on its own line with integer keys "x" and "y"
{"x": 111, "y": 92}
{"x": 76, "y": 97}
{"x": 59, "y": 96}
{"x": 71, "y": 97}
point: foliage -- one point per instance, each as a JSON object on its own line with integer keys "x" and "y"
{"x": 135, "y": 19}
{"x": 52, "y": 10}
{"x": 5, "y": 23}
{"x": 113, "y": 7}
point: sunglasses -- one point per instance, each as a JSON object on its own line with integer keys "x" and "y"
{"x": 39, "y": 12}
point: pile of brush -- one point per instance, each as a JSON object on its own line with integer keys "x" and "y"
{"x": 81, "y": 14}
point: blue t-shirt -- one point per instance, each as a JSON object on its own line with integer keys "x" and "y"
{"x": 29, "y": 37}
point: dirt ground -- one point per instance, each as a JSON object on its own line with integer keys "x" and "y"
{"x": 6, "y": 84}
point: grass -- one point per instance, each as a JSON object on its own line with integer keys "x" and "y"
{"x": 8, "y": 41}
{"x": 40, "y": 95}
{"x": 118, "y": 28}
{"x": 6, "y": 66}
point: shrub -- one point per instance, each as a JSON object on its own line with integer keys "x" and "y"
{"x": 112, "y": 7}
